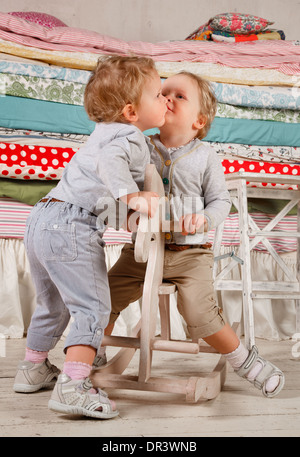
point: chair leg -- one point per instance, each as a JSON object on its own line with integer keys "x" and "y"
{"x": 246, "y": 267}
{"x": 149, "y": 309}
{"x": 297, "y": 303}
{"x": 217, "y": 246}
{"x": 209, "y": 386}
{"x": 164, "y": 310}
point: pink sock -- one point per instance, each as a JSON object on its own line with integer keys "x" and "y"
{"x": 35, "y": 356}
{"x": 77, "y": 370}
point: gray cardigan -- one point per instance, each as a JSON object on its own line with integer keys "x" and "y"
{"x": 194, "y": 182}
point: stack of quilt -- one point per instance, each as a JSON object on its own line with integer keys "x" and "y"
{"x": 44, "y": 67}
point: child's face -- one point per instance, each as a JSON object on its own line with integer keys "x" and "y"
{"x": 183, "y": 103}
{"x": 152, "y": 107}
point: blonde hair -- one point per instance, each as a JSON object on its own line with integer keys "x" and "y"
{"x": 115, "y": 82}
{"x": 208, "y": 102}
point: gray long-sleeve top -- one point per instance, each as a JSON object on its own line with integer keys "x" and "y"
{"x": 194, "y": 182}
{"x": 110, "y": 165}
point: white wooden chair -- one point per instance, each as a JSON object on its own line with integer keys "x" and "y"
{"x": 250, "y": 236}
{"x": 149, "y": 246}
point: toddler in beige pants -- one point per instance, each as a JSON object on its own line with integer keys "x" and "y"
{"x": 193, "y": 178}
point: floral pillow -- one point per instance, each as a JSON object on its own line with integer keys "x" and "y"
{"x": 46, "y": 20}
{"x": 238, "y": 23}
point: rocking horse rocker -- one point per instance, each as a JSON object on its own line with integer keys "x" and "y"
{"x": 149, "y": 247}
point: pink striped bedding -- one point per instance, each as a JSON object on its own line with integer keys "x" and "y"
{"x": 281, "y": 55}
{"x": 13, "y": 215}
{"x": 231, "y": 235}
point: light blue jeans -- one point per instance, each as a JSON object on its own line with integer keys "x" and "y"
{"x": 67, "y": 262}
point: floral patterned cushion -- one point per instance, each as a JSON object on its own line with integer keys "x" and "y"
{"x": 46, "y": 20}
{"x": 238, "y": 23}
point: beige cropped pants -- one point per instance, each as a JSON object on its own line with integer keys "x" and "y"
{"x": 189, "y": 270}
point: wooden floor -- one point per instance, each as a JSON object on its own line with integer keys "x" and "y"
{"x": 240, "y": 409}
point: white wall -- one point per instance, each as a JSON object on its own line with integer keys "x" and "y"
{"x": 157, "y": 20}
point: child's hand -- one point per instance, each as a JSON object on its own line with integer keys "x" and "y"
{"x": 190, "y": 223}
{"x": 143, "y": 202}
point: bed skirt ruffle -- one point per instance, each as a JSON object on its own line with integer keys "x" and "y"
{"x": 274, "y": 319}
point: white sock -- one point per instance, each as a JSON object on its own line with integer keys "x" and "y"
{"x": 238, "y": 357}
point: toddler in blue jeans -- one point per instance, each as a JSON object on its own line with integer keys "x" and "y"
{"x": 64, "y": 233}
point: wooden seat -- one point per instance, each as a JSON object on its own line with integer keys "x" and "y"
{"x": 149, "y": 246}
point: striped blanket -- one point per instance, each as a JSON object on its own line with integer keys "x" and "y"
{"x": 13, "y": 215}
{"x": 283, "y": 56}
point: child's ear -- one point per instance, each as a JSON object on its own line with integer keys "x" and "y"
{"x": 200, "y": 123}
{"x": 129, "y": 112}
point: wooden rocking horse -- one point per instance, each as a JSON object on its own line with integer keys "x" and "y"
{"x": 149, "y": 247}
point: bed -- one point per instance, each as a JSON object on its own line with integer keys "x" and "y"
{"x": 43, "y": 73}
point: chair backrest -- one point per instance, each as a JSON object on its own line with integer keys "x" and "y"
{"x": 150, "y": 229}
{"x": 149, "y": 247}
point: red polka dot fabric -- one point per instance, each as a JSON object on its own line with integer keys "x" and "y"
{"x": 33, "y": 162}
{"x": 233, "y": 166}
{"x": 45, "y": 162}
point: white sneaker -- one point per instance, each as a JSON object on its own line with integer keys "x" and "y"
{"x": 32, "y": 377}
{"x": 75, "y": 397}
